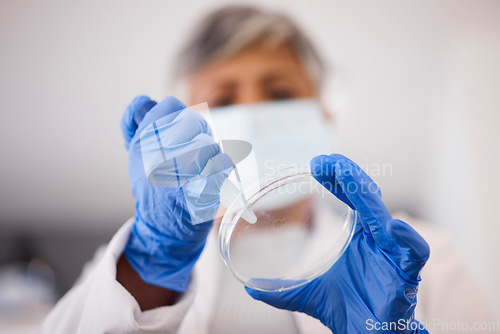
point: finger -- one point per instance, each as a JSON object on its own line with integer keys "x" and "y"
{"x": 359, "y": 189}
{"x": 175, "y": 128}
{"x": 139, "y": 106}
{"x": 286, "y": 300}
{"x": 203, "y": 195}
{"x": 322, "y": 169}
{"x": 168, "y": 106}
{"x": 175, "y": 165}
{"x": 413, "y": 249}
{"x": 176, "y": 146}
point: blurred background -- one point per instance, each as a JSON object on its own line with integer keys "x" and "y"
{"x": 413, "y": 86}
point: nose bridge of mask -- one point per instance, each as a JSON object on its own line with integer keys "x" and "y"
{"x": 276, "y": 126}
{"x": 281, "y": 134}
{"x": 290, "y": 133}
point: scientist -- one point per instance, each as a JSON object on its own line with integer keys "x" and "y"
{"x": 153, "y": 276}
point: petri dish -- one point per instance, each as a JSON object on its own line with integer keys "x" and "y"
{"x": 301, "y": 230}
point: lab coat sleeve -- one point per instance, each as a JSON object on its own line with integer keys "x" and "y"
{"x": 99, "y": 304}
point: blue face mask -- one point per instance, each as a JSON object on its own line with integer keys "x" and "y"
{"x": 282, "y": 134}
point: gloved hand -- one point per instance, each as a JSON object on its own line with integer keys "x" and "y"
{"x": 171, "y": 223}
{"x": 375, "y": 282}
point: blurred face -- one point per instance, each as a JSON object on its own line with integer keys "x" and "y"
{"x": 257, "y": 74}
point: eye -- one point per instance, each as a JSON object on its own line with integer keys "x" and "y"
{"x": 280, "y": 94}
{"x": 222, "y": 101}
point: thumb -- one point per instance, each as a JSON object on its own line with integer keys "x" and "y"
{"x": 290, "y": 299}
{"x": 133, "y": 115}
{"x": 414, "y": 250}
{"x": 275, "y": 299}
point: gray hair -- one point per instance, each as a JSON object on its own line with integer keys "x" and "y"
{"x": 231, "y": 29}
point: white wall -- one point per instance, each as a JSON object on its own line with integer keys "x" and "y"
{"x": 415, "y": 86}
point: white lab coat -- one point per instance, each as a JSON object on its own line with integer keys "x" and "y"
{"x": 99, "y": 304}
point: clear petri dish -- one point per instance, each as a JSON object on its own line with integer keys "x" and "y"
{"x": 302, "y": 229}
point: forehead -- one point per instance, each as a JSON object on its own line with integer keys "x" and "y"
{"x": 259, "y": 62}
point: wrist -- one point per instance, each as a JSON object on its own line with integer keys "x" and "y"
{"x": 160, "y": 259}
{"x": 147, "y": 296}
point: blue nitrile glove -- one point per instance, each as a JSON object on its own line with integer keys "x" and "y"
{"x": 167, "y": 237}
{"x": 375, "y": 282}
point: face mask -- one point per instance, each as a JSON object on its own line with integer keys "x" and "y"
{"x": 281, "y": 134}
